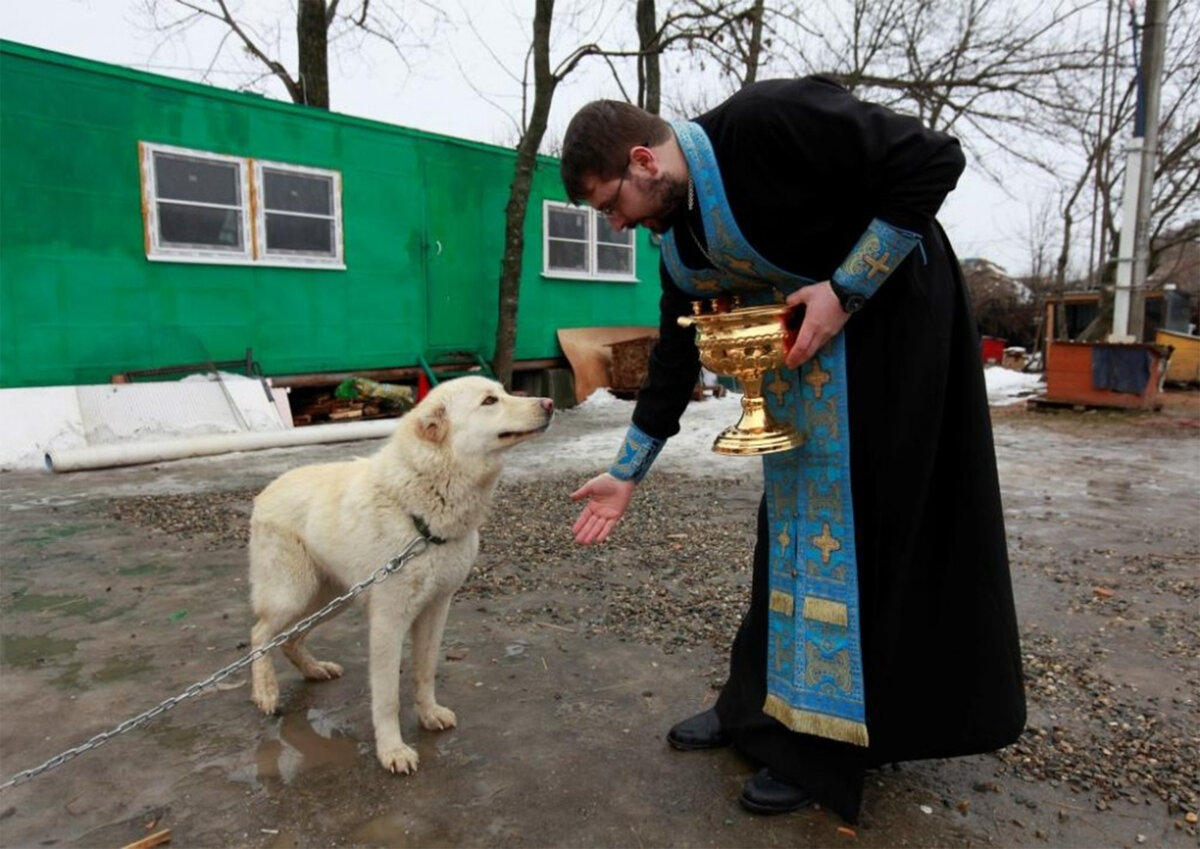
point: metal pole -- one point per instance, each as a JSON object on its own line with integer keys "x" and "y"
{"x": 1153, "y": 45}
{"x": 1123, "y": 290}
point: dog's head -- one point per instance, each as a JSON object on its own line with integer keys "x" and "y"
{"x": 475, "y": 417}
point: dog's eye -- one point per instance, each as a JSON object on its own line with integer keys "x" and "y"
{"x": 491, "y": 399}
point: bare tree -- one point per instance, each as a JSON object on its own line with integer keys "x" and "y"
{"x": 545, "y": 80}
{"x": 1047, "y": 85}
{"x": 649, "y": 57}
{"x": 733, "y": 36}
{"x": 318, "y": 24}
{"x": 1096, "y": 116}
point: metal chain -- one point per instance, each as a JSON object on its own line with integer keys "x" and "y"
{"x": 417, "y": 546}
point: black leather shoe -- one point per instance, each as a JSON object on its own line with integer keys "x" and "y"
{"x": 766, "y": 794}
{"x": 702, "y": 731}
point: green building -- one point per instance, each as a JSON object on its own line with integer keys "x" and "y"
{"x": 147, "y": 222}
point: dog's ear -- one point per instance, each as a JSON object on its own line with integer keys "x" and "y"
{"x": 433, "y": 424}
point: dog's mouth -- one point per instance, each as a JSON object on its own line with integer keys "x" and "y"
{"x": 522, "y": 434}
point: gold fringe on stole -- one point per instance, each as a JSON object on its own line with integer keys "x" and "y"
{"x": 825, "y": 610}
{"x": 820, "y": 724}
{"x": 783, "y": 603}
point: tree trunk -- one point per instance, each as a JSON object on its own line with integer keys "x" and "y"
{"x": 312, "y": 37}
{"x": 754, "y": 54}
{"x": 544, "y": 83}
{"x": 649, "y": 73}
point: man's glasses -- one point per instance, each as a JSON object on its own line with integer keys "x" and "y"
{"x": 609, "y": 209}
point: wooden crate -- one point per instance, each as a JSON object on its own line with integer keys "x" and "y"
{"x": 1069, "y": 377}
{"x": 1184, "y": 366}
{"x": 630, "y": 361}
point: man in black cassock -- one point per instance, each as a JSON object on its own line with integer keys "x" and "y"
{"x": 881, "y": 625}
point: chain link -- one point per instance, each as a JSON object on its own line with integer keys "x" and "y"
{"x": 417, "y": 546}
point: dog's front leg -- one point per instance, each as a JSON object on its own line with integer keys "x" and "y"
{"x": 386, "y": 647}
{"x": 427, "y": 642}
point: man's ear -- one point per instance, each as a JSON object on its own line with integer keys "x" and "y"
{"x": 644, "y": 159}
{"x": 433, "y": 424}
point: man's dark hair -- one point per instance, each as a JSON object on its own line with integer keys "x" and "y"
{"x": 598, "y": 140}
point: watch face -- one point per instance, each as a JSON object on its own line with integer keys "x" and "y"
{"x": 854, "y": 302}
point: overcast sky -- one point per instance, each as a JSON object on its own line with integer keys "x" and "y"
{"x": 368, "y": 80}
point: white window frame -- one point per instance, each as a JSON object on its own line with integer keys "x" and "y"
{"x": 592, "y": 231}
{"x": 155, "y": 248}
{"x": 253, "y": 215}
{"x": 260, "y": 211}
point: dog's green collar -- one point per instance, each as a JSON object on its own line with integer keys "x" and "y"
{"x": 423, "y": 529}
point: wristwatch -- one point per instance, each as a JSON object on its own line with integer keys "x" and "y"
{"x": 851, "y": 302}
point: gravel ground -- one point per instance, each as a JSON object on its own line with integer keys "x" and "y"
{"x": 677, "y": 577}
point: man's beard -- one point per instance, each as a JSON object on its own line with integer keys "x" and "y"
{"x": 669, "y": 199}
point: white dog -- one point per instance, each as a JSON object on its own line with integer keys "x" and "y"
{"x": 317, "y": 530}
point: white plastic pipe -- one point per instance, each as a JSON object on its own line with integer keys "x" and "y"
{"x": 131, "y": 454}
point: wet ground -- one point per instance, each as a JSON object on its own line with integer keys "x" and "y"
{"x": 121, "y": 588}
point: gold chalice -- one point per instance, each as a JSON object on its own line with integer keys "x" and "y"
{"x": 746, "y": 343}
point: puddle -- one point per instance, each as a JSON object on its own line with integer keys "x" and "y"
{"x": 32, "y": 652}
{"x": 303, "y": 746}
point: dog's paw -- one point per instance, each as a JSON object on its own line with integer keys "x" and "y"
{"x": 322, "y": 670}
{"x": 437, "y": 718}
{"x": 400, "y": 759}
{"x": 266, "y": 698}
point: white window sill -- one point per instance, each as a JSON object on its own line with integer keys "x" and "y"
{"x": 217, "y": 259}
{"x": 589, "y": 278}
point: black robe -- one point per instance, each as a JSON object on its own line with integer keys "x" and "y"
{"x": 806, "y": 167}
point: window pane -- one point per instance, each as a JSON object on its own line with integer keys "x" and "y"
{"x": 568, "y": 223}
{"x": 199, "y": 180}
{"x": 614, "y": 260}
{"x": 291, "y": 233}
{"x": 287, "y": 192}
{"x": 568, "y": 256}
{"x": 180, "y": 225}
{"x": 605, "y": 233}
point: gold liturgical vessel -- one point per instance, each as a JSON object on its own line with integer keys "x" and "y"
{"x": 746, "y": 343}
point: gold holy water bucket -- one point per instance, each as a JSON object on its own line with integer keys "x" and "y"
{"x": 746, "y": 343}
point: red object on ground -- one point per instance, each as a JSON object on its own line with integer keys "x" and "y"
{"x": 422, "y": 385}
{"x": 991, "y": 350}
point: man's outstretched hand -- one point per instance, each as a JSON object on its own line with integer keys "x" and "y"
{"x": 607, "y": 500}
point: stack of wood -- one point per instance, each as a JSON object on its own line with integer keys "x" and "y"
{"x": 352, "y": 399}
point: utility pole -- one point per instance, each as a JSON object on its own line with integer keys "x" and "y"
{"x": 1134, "y": 255}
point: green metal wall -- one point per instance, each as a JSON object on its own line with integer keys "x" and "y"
{"x": 423, "y": 227}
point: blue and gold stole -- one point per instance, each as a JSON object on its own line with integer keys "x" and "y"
{"x": 814, "y": 658}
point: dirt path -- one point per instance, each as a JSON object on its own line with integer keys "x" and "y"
{"x": 122, "y": 587}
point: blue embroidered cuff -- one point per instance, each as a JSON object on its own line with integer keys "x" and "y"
{"x": 881, "y": 248}
{"x": 636, "y": 455}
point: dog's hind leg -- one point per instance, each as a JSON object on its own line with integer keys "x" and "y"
{"x": 284, "y": 588}
{"x": 264, "y": 686}
{"x": 298, "y": 653}
{"x": 426, "y": 647}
